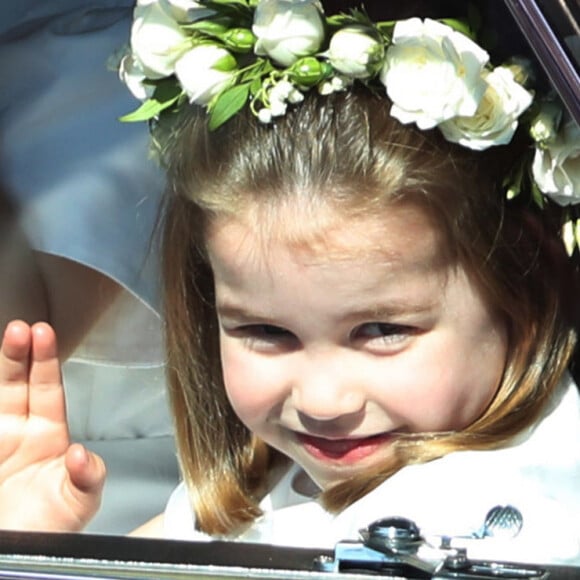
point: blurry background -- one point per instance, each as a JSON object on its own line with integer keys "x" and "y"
{"x": 79, "y": 200}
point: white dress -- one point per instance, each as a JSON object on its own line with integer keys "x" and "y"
{"x": 539, "y": 474}
{"x": 85, "y": 190}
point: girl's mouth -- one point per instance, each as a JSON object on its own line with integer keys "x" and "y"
{"x": 348, "y": 450}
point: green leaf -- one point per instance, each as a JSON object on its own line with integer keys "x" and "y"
{"x": 167, "y": 89}
{"x": 360, "y": 16}
{"x": 148, "y": 110}
{"x": 386, "y": 28}
{"x": 537, "y": 195}
{"x": 255, "y": 85}
{"x": 238, "y": 10}
{"x": 166, "y": 94}
{"x": 459, "y": 26}
{"x": 228, "y": 104}
{"x": 260, "y": 68}
{"x": 336, "y": 20}
{"x": 353, "y": 17}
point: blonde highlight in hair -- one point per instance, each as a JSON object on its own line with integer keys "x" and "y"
{"x": 346, "y": 149}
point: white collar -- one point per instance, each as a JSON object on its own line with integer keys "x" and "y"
{"x": 536, "y": 473}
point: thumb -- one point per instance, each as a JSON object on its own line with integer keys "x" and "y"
{"x": 87, "y": 473}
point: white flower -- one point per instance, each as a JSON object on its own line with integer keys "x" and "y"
{"x": 556, "y": 166}
{"x": 265, "y": 115}
{"x": 543, "y": 128}
{"x": 334, "y": 84}
{"x": 496, "y": 118}
{"x": 157, "y": 40}
{"x": 185, "y": 10}
{"x": 276, "y": 100}
{"x": 288, "y": 29}
{"x": 278, "y": 97}
{"x": 285, "y": 91}
{"x": 354, "y": 52}
{"x": 205, "y": 71}
{"x": 569, "y": 236}
{"x": 295, "y": 97}
{"x": 277, "y": 108}
{"x": 133, "y": 76}
{"x": 432, "y": 73}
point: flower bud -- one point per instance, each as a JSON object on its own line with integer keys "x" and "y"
{"x": 157, "y": 41}
{"x": 239, "y": 39}
{"x": 356, "y": 52}
{"x": 287, "y": 30}
{"x": 522, "y": 70}
{"x": 334, "y": 84}
{"x": 183, "y": 10}
{"x": 265, "y": 115}
{"x": 132, "y": 75}
{"x": 544, "y": 127}
{"x": 569, "y": 236}
{"x": 204, "y": 72}
{"x": 284, "y": 92}
{"x": 309, "y": 71}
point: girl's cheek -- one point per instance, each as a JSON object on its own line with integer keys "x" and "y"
{"x": 242, "y": 382}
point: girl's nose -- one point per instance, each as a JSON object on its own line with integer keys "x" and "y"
{"x": 326, "y": 392}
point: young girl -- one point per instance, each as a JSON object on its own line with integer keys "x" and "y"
{"x": 359, "y": 324}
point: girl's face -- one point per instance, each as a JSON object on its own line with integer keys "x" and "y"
{"x": 334, "y": 346}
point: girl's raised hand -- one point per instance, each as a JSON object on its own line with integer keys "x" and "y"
{"x": 45, "y": 482}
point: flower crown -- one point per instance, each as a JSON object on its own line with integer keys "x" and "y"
{"x": 265, "y": 54}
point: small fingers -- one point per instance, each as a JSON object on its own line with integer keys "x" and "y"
{"x": 45, "y": 367}
{"x": 46, "y": 393}
{"x": 15, "y": 353}
{"x": 30, "y": 377}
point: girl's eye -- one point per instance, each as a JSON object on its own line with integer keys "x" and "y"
{"x": 382, "y": 334}
{"x": 266, "y": 330}
{"x": 266, "y": 336}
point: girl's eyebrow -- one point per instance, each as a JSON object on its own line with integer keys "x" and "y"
{"x": 396, "y": 308}
{"x": 387, "y": 310}
{"x": 238, "y": 312}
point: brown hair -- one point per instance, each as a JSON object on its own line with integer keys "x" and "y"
{"x": 347, "y": 146}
